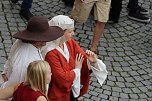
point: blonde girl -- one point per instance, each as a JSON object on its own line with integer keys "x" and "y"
{"x": 34, "y": 89}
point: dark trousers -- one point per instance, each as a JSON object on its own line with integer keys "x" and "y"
{"x": 26, "y": 4}
{"x": 69, "y": 2}
{"x": 116, "y": 6}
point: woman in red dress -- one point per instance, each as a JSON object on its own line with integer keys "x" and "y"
{"x": 70, "y": 65}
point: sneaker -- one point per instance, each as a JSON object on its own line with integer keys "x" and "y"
{"x": 26, "y": 14}
{"x": 140, "y": 9}
{"x": 14, "y": 1}
{"x": 137, "y": 16}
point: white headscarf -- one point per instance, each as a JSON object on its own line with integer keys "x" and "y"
{"x": 63, "y": 22}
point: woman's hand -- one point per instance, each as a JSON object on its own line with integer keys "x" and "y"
{"x": 91, "y": 56}
{"x": 5, "y": 78}
{"x": 79, "y": 61}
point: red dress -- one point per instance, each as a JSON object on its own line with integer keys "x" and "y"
{"x": 63, "y": 74}
{"x": 25, "y": 93}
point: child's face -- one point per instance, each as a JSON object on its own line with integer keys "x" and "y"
{"x": 49, "y": 73}
{"x": 68, "y": 33}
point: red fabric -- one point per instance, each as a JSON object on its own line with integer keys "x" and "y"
{"x": 25, "y": 93}
{"x": 63, "y": 74}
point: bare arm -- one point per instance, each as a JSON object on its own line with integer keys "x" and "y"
{"x": 41, "y": 98}
{"x": 6, "y": 93}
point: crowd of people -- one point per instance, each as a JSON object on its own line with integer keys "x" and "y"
{"x": 52, "y": 42}
{"x": 46, "y": 64}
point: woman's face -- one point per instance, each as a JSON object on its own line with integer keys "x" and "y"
{"x": 48, "y": 75}
{"x": 68, "y": 33}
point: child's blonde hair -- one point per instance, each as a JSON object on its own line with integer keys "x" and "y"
{"x": 37, "y": 75}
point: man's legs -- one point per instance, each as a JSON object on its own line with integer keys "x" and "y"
{"x": 101, "y": 14}
{"x": 116, "y": 6}
{"x": 99, "y": 28}
{"x": 25, "y": 9}
{"x": 137, "y": 12}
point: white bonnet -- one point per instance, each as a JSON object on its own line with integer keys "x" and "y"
{"x": 62, "y": 21}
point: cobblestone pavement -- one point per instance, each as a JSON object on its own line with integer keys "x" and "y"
{"x": 126, "y": 49}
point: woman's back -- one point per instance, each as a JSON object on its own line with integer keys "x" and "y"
{"x": 25, "y": 93}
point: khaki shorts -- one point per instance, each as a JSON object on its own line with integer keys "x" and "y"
{"x": 81, "y": 11}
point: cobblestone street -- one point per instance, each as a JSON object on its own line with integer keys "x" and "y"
{"x": 125, "y": 48}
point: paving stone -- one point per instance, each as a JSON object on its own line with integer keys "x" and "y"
{"x": 96, "y": 84}
{"x": 118, "y": 58}
{"x": 111, "y": 78}
{"x": 123, "y": 74}
{"x": 123, "y": 95}
{"x": 129, "y": 79}
{"x": 116, "y": 64}
{"x": 142, "y": 95}
{"x": 91, "y": 87}
{"x": 120, "y": 84}
{"x": 134, "y": 96}
{"x": 116, "y": 94}
{"x": 132, "y": 63}
{"x": 138, "y": 84}
{"x": 136, "y": 90}
{"x": 113, "y": 98}
{"x": 87, "y": 96}
{"x": 125, "y": 48}
{"x": 123, "y": 99}
{"x": 107, "y": 92}
{"x": 116, "y": 89}
{"x": 143, "y": 89}
{"x": 87, "y": 99}
{"x": 141, "y": 72}
{"x": 104, "y": 100}
{"x": 103, "y": 96}
{"x": 128, "y": 84}
{"x": 98, "y": 90}
{"x": 137, "y": 78}
{"x": 109, "y": 58}
{"x": 94, "y": 98}
{"x": 112, "y": 54}
{"x": 120, "y": 79}
{"x": 121, "y": 54}
{"x": 149, "y": 94}
{"x": 93, "y": 93}
{"x": 146, "y": 77}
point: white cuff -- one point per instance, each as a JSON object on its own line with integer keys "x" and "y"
{"x": 99, "y": 70}
{"x": 76, "y": 83}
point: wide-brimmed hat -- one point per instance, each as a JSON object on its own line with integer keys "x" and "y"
{"x": 38, "y": 29}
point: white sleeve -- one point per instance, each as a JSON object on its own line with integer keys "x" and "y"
{"x": 99, "y": 70}
{"x": 76, "y": 83}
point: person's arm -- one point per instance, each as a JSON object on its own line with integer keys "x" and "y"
{"x": 41, "y": 98}
{"x": 4, "y": 73}
{"x": 76, "y": 82}
{"x": 6, "y": 93}
{"x": 97, "y": 66}
{"x": 63, "y": 78}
